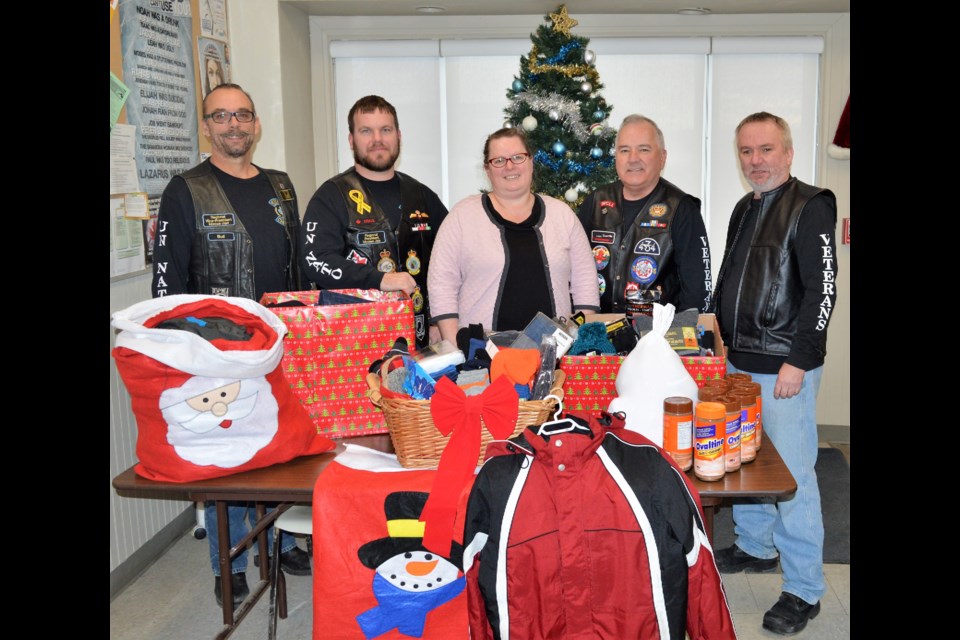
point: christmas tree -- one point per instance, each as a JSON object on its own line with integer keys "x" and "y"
{"x": 556, "y": 100}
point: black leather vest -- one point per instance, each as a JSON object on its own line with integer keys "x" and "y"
{"x": 369, "y": 234}
{"x": 769, "y": 291}
{"x": 221, "y": 262}
{"x": 635, "y": 265}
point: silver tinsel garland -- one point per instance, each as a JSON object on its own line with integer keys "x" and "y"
{"x": 568, "y": 109}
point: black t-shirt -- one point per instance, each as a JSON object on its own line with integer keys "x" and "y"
{"x": 526, "y": 289}
{"x": 259, "y": 210}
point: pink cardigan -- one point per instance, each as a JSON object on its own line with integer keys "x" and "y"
{"x": 468, "y": 257}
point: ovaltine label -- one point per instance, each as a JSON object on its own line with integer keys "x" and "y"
{"x": 709, "y": 443}
{"x": 709, "y": 431}
{"x": 748, "y": 425}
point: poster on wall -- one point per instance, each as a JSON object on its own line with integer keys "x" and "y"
{"x": 214, "y": 63}
{"x": 157, "y": 43}
{"x": 126, "y": 244}
{"x": 213, "y": 18}
{"x": 150, "y": 228}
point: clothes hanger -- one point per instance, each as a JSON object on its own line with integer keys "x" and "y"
{"x": 558, "y": 424}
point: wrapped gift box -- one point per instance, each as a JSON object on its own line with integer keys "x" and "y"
{"x": 591, "y": 380}
{"x": 330, "y": 344}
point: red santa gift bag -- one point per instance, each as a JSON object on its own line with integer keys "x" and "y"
{"x": 207, "y": 389}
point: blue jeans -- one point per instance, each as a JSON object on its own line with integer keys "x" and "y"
{"x": 238, "y": 513}
{"x": 793, "y": 527}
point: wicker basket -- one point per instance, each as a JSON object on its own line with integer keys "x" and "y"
{"x": 417, "y": 441}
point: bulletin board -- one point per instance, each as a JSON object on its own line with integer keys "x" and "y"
{"x": 165, "y": 56}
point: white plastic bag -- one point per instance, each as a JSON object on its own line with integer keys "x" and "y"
{"x": 651, "y": 372}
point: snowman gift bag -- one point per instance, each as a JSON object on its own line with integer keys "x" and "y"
{"x": 206, "y": 388}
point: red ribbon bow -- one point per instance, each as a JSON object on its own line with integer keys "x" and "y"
{"x": 457, "y": 414}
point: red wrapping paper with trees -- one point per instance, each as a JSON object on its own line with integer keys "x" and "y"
{"x": 328, "y": 350}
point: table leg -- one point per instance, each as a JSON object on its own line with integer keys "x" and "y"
{"x": 709, "y": 509}
{"x": 226, "y": 584}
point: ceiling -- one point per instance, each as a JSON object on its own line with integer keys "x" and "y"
{"x": 574, "y": 7}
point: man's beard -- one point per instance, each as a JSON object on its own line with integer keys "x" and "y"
{"x": 233, "y": 151}
{"x": 368, "y": 163}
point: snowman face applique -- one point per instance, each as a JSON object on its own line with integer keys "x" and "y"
{"x": 417, "y": 571}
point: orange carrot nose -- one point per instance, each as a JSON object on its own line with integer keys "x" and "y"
{"x": 421, "y": 568}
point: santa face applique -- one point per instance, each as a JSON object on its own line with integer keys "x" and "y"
{"x": 219, "y": 421}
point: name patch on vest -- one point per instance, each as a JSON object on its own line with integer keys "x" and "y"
{"x": 220, "y": 236}
{"x": 647, "y": 245}
{"x": 603, "y": 237}
{"x": 610, "y": 204}
{"x": 372, "y": 237}
{"x": 218, "y": 220}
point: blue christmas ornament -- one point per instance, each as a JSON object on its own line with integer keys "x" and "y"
{"x": 599, "y": 115}
{"x": 559, "y": 148}
{"x": 517, "y": 85}
{"x": 596, "y": 153}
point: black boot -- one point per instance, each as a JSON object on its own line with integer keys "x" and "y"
{"x": 238, "y": 581}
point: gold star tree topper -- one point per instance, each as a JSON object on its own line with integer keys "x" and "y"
{"x": 562, "y": 21}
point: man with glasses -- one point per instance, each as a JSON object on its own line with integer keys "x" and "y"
{"x": 228, "y": 227}
{"x": 647, "y": 236}
{"x": 372, "y": 227}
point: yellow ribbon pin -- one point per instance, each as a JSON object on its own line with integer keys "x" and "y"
{"x": 362, "y": 206}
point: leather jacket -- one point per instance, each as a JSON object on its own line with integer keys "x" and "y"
{"x": 221, "y": 262}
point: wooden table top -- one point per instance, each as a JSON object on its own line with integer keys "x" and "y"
{"x": 293, "y": 481}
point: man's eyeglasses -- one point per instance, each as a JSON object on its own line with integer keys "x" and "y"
{"x": 223, "y": 117}
{"x": 500, "y": 161}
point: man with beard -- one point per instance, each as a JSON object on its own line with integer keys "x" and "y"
{"x": 372, "y": 227}
{"x": 648, "y": 237}
{"x": 774, "y": 297}
{"x": 228, "y": 227}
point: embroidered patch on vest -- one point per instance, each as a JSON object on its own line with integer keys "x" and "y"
{"x": 602, "y": 283}
{"x": 602, "y": 256}
{"x": 356, "y": 258}
{"x": 372, "y": 237}
{"x": 609, "y": 204}
{"x": 649, "y": 246}
{"x": 644, "y": 270}
{"x": 221, "y": 236}
{"x": 218, "y": 220}
{"x": 603, "y": 237}
{"x": 657, "y": 210}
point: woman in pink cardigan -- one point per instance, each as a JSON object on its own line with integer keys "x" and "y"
{"x": 501, "y": 257}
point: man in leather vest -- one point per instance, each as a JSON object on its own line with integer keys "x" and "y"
{"x": 774, "y": 297}
{"x": 372, "y": 227}
{"x": 648, "y": 237}
{"x": 228, "y": 227}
